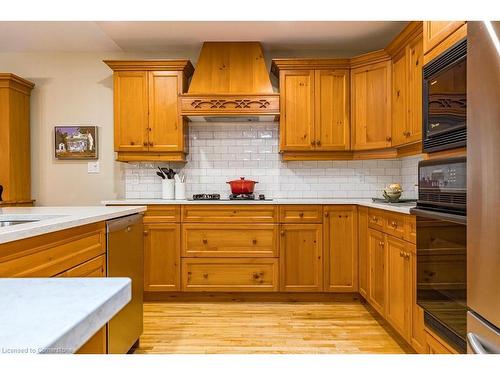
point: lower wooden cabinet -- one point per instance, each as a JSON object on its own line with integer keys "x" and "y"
{"x": 162, "y": 252}
{"x": 230, "y": 274}
{"x": 301, "y": 256}
{"x": 363, "y": 251}
{"x": 376, "y": 274}
{"x": 398, "y": 306}
{"x": 417, "y": 334}
{"x": 434, "y": 345}
{"x": 340, "y": 247}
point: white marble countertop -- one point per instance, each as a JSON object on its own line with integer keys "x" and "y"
{"x": 52, "y": 219}
{"x": 57, "y": 315}
{"x": 395, "y": 207}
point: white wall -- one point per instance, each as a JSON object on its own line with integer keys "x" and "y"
{"x": 71, "y": 88}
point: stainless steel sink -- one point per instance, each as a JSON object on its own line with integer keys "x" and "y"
{"x": 14, "y": 222}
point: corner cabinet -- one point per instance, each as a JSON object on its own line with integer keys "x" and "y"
{"x": 148, "y": 125}
{"x": 371, "y": 102}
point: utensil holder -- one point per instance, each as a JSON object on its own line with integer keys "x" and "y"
{"x": 180, "y": 190}
{"x": 167, "y": 189}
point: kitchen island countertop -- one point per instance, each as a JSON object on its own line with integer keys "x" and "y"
{"x": 57, "y": 315}
{"x": 52, "y": 219}
{"x": 403, "y": 208}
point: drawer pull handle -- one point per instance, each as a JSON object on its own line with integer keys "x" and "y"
{"x": 254, "y": 241}
{"x": 301, "y": 214}
{"x": 326, "y": 214}
{"x": 394, "y": 224}
{"x": 205, "y": 275}
{"x": 146, "y": 232}
{"x": 282, "y": 232}
{"x": 375, "y": 218}
{"x": 205, "y": 241}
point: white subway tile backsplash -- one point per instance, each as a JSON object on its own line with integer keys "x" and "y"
{"x": 223, "y": 152}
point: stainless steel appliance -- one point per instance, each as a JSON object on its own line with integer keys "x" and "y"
{"x": 442, "y": 247}
{"x": 445, "y": 100}
{"x": 125, "y": 259}
{"x": 483, "y": 156}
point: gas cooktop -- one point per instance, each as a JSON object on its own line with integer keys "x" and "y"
{"x": 232, "y": 197}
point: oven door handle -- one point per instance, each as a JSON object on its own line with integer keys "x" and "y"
{"x": 459, "y": 219}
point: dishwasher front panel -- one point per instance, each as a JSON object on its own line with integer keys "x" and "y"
{"x": 126, "y": 259}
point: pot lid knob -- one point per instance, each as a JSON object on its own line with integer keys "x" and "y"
{"x": 242, "y": 178}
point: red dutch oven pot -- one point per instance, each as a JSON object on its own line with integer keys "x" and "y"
{"x": 242, "y": 186}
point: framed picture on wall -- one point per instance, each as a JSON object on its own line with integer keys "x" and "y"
{"x": 75, "y": 142}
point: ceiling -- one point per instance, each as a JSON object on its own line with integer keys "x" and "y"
{"x": 341, "y": 38}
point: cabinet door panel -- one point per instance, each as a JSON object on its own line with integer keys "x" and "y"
{"x": 297, "y": 109}
{"x": 398, "y": 285}
{"x": 165, "y": 124}
{"x": 331, "y": 116}
{"x": 371, "y": 101}
{"x": 415, "y": 62}
{"x": 341, "y": 249}
{"x": 131, "y": 111}
{"x": 377, "y": 272}
{"x": 437, "y": 31}
{"x": 417, "y": 314}
{"x": 301, "y": 258}
{"x": 363, "y": 251}
{"x": 162, "y": 257}
{"x": 399, "y": 99}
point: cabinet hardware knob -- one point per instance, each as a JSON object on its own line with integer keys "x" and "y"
{"x": 254, "y": 241}
{"x": 255, "y": 275}
{"x": 145, "y": 144}
{"x": 146, "y": 232}
{"x": 401, "y": 253}
{"x": 398, "y": 93}
{"x": 205, "y": 241}
{"x": 282, "y": 232}
{"x": 313, "y": 143}
{"x": 205, "y": 275}
{"x": 375, "y": 218}
{"x": 318, "y": 143}
{"x": 301, "y": 214}
{"x": 132, "y": 143}
{"x": 326, "y": 214}
{"x": 151, "y": 143}
{"x": 388, "y": 139}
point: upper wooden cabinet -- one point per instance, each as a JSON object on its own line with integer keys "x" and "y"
{"x": 371, "y": 102}
{"x": 437, "y": 31}
{"x": 340, "y": 233}
{"x": 314, "y": 97}
{"x": 148, "y": 124}
{"x": 407, "y": 61}
{"x": 15, "y": 176}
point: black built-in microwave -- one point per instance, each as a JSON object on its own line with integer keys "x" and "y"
{"x": 445, "y": 100}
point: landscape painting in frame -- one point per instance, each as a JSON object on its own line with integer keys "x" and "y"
{"x": 76, "y": 142}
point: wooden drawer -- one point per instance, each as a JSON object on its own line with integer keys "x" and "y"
{"x": 437, "y": 346}
{"x": 230, "y": 274}
{"x": 249, "y": 213}
{"x": 296, "y": 213}
{"x": 53, "y": 253}
{"x": 230, "y": 240}
{"x": 394, "y": 225}
{"x": 375, "y": 219}
{"x": 410, "y": 229}
{"x": 93, "y": 268}
{"x": 163, "y": 214}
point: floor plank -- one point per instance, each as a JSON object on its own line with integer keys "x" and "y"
{"x": 266, "y": 328}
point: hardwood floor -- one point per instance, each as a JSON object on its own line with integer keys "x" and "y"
{"x": 266, "y": 328}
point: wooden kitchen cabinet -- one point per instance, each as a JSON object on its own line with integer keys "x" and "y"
{"x": 437, "y": 31}
{"x": 399, "y": 283}
{"x": 340, "y": 231}
{"x": 363, "y": 251}
{"x": 301, "y": 258}
{"x": 148, "y": 125}
{"x": 15, "y": 176}
{"x": 162, "y": 257}
{"x": 407, "y": 92}
{"x": 301, "y": 213}
{"x": 331, "y": 112}
{"x": 230, "y": 240}
{"x": 297, "y": 110}
{"x": 371, "y": 106}
{"x": 377, "y": 271}
{"x": 417, "y": 335}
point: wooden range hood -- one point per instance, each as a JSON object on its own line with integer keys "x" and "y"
{"x": 230, "y": 82}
